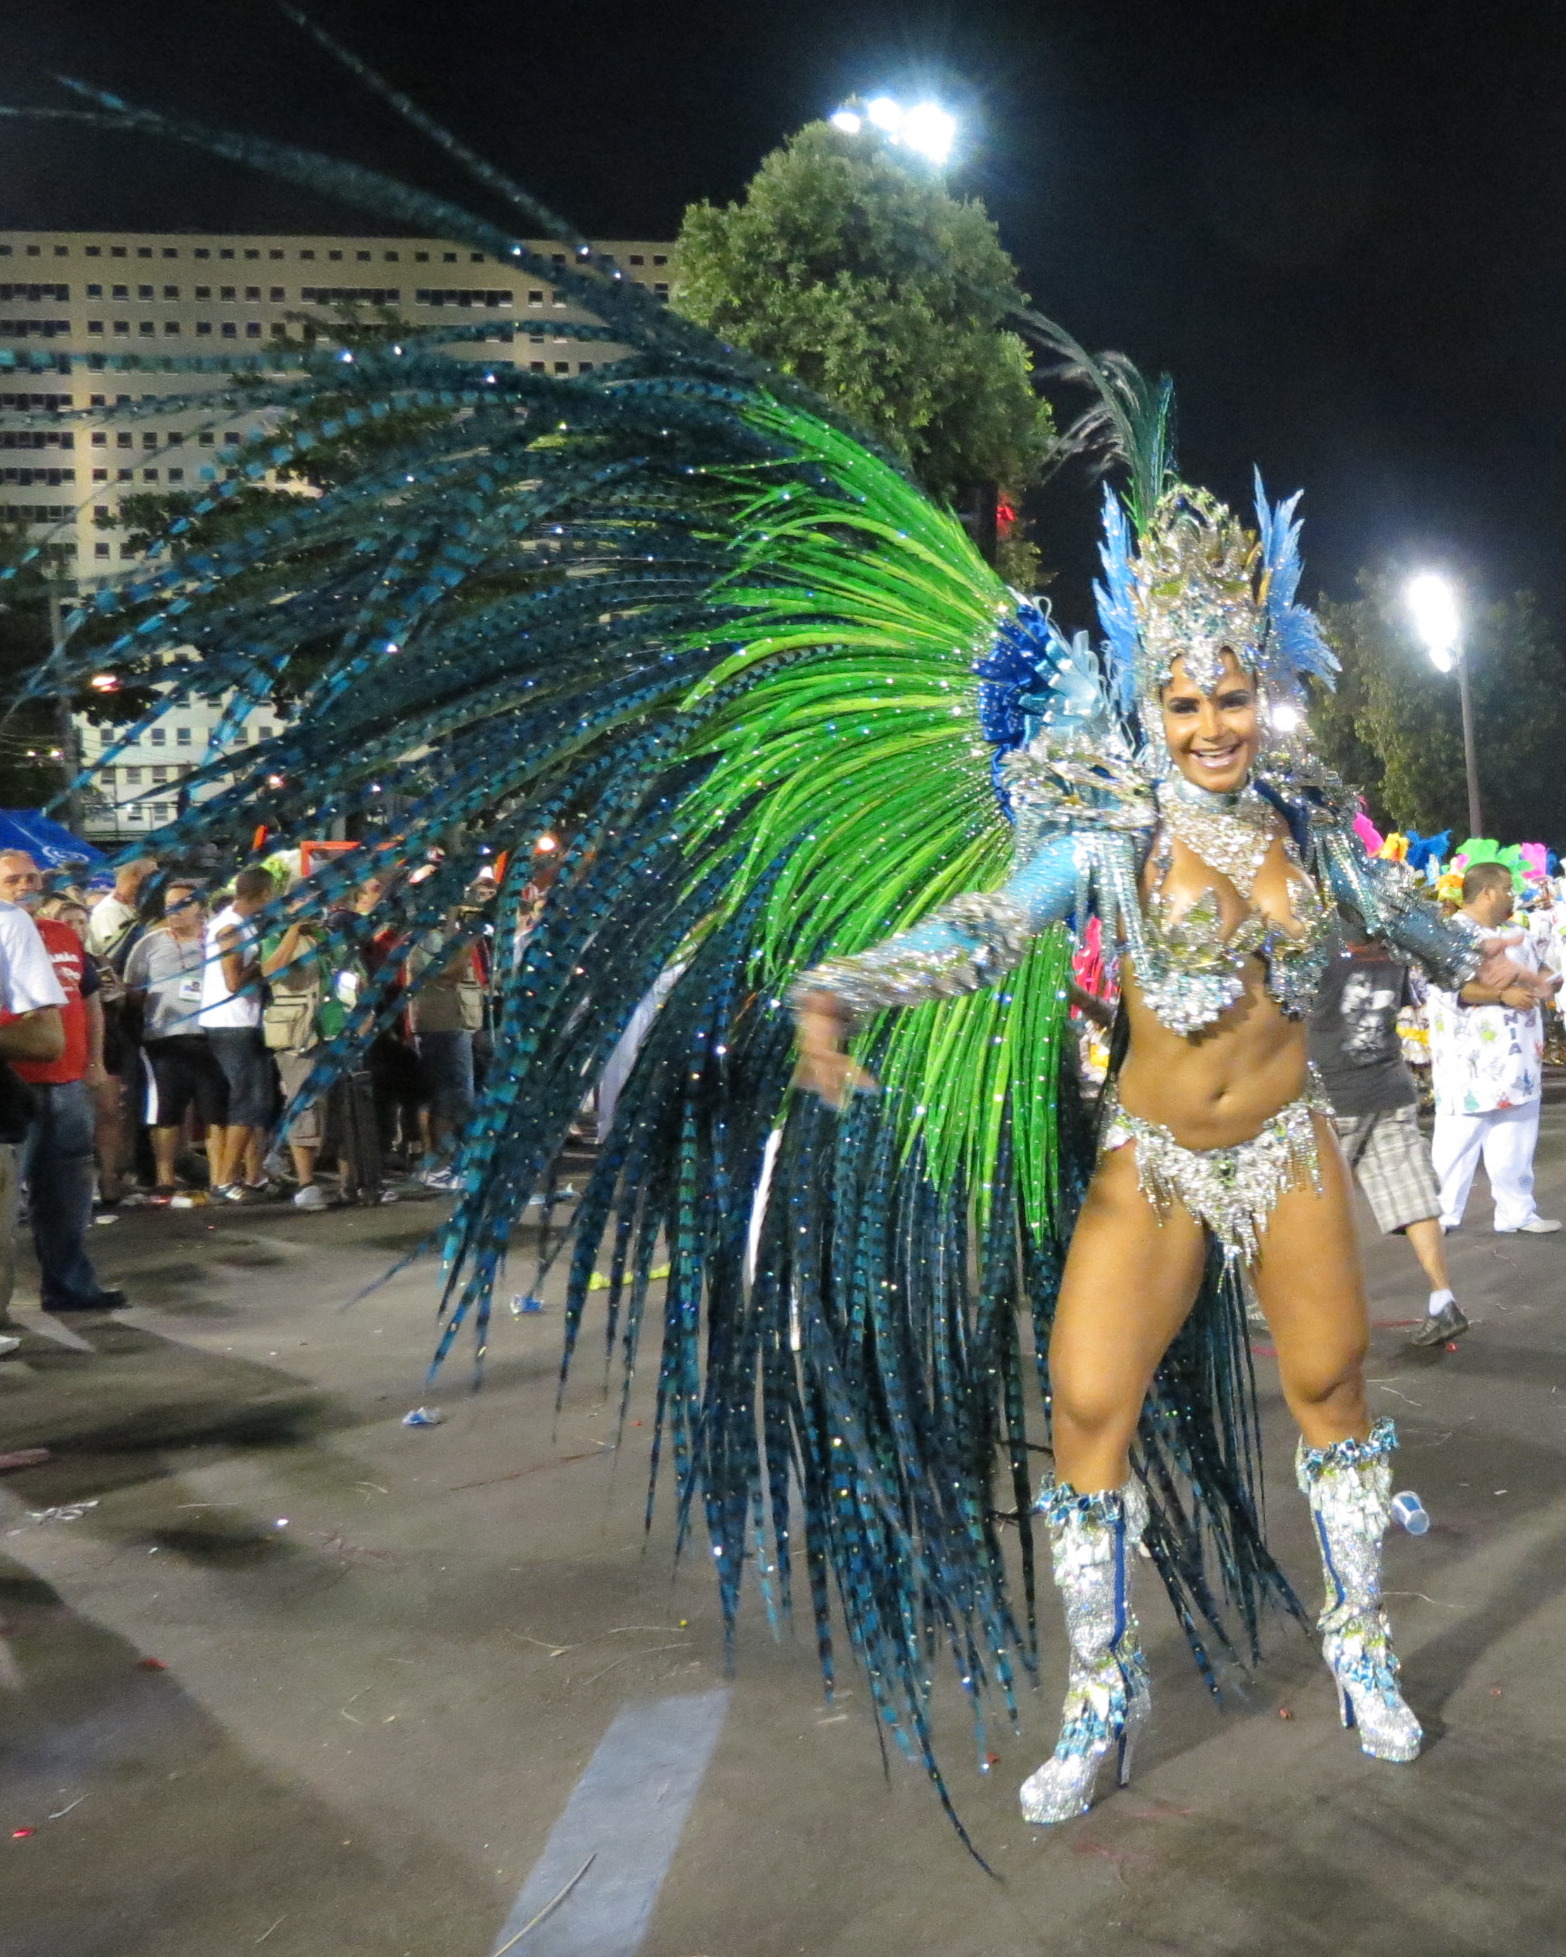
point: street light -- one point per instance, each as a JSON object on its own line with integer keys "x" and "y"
{"x": 1438, "y": 619}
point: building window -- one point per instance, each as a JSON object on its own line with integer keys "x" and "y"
{"x": 363, "y": 256}
{"x": 202, "y": 251}
{"x": 252, "y": 251}
{"x": 203, "y": 326}
{"x": 171, "y": 326}
{"x": 122, "y": 326}
{"x": 279, "y": 330}
{"x": 232, "y": 437}
{"x": 586, "y": 367}
{"x": 226, "y": 251}
{"x": 99, "y": 440}
{"x": 203, "y": 292}
{"x": 171, "y": 292}
{"x": 100, "y": 475}
{"x": 161, "y": 811}
{"x": 182, "y": 737}
{"x": 95, "y": 251}
{"x": 421, "y": 257}
{"x": 536, "y": 366}
{"x": 448, "y": 258}
{"x": 124, "y": 475}
{"x": 120, "y": 292}
{"x": 125, "y": 439}
{"x": 228, "y": 291}
{"x": 147, "y": 328}
{"x": 253, "y": 329}
{"x": 308, "y": 254}
{"x": 277, "y": 294}
{"x": 637, "y": 258}
{"x": 171, "y": 251}
{"x": 391, "y": 258}
{"x": 159, "y": 737}
{"x": 149, "y": 475}
{"x": 334, "y": 254}
{"x": 95, "y": 292}
{"x": 660, "y": 258}
{"x": 144, "y": 292}
{"x": 275, "y": 252}
{"x": 562, "y": 366}
{"x": 252, "y": 292}
{"x": 101, "y": 510}
{"x": 100, "y": 550}
{"x": 229, "y": 330}
{"x": 116, "y": 251}
{"x": 176, "y": 475}
{"x": 206, "y": 438}
{"x": 95, "y": 326}
{"x": 149, "y": 438}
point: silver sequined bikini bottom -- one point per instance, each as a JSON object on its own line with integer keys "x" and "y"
{"x": 1230, "y": 1190}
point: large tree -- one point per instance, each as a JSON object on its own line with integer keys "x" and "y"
{"x": 1394, "y": 729}
{"x": 849, "y": 266}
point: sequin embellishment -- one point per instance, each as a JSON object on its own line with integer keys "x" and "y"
{"x": 1231, "y": 1190}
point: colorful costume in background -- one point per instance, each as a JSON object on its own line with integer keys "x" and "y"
{"x": 785, "y": 712}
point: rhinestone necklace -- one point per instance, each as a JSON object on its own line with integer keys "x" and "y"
{"x": 1230, "y": 833}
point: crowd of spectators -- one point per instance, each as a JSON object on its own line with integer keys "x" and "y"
{"x": 159, "y": 1045}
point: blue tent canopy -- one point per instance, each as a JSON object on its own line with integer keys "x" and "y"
{"x": 49, "y": 843}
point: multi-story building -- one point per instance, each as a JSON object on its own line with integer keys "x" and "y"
{"x": 95, "y": 320}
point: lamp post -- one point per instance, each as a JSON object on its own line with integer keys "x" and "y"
{"x": 1432, "y": 599}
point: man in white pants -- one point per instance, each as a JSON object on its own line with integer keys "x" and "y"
{"x": 1487, "y": 1054}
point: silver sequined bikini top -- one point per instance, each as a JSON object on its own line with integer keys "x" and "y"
{"x": 1188, "y": 971}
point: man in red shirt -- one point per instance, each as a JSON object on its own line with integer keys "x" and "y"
{"x": 57, "y": 1156}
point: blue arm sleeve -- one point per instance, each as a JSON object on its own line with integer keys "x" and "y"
{"x": 967, "y": 943}
{"x": 1387, "y": 896}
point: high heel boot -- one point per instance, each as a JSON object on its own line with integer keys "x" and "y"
{"x": 1349, "y": 1488}
{"x": 1093, "y": 1539}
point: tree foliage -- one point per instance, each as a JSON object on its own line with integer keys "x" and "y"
{"x": 859, "y": 274}
{"x": 31, "y": 773}
{"x": 1394, "y": 726}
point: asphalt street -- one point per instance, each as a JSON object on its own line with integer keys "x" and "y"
{"x": 278, "y": 1672}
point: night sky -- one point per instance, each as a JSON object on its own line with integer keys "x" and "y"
{"x": 1342, "y": 227}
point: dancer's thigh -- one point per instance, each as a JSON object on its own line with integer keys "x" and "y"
{"x": 1310, "y": 1286}
{"x": 1129, "y": 1282}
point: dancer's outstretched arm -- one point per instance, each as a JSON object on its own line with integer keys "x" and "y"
{"x": 969, "y": 942}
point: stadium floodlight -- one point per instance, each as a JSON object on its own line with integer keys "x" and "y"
{"x": 1433, "y": 602}
{"x": 930, "y": 131}
{"x": 927, "y": 129}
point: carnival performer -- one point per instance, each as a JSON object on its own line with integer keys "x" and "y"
{"x": 1215, "y": 1124}
{"x": 786, "y": 710}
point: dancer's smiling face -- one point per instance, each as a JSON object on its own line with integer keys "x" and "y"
{"x": 1212, "y": 737}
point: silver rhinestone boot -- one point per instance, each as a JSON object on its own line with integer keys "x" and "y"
{"x": 1093, "y": 1539}
{"x": 1349, "y": 1488}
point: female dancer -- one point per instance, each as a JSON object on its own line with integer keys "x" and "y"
{"x": 678, "y": 606}
{"x": 1212, "y": 1124}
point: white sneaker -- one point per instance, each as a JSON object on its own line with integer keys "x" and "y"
{"x": 439, "y": 1179}
{"x": 311, "y": 1197}
{"x": 1536, "y": 1226}
{"x": 8, "y": 1345}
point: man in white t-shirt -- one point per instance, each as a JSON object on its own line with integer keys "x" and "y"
{"x": 113, "y": 918}
{"x": 231, "y": 1019}
{"x": 1487, "y": 1065}
{"x": 30, "y": 989}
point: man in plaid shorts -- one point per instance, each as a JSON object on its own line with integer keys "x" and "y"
{"x": 1354, "y": 1044}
